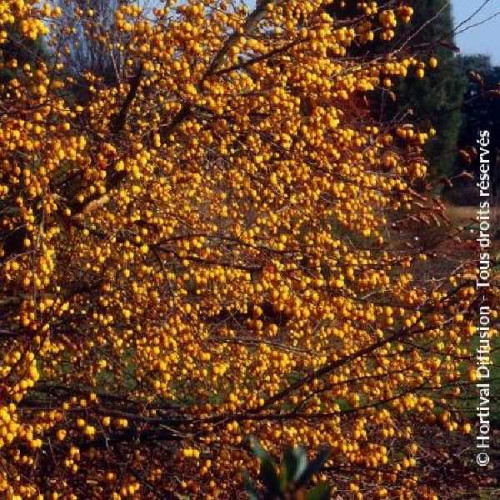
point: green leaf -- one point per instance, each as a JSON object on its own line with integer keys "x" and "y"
{"x": 319, "y": 492}
{"x": 268, "y": 473}
{"x": 288, "y": 468}
{"x": 295, "y": 462}
{"x": 270, "y": 478}
{"x": 301, "y": 456}
{"x": 250, "y": 488}
{"x": 314, "y": 467}
{"x": 258, "y": 450}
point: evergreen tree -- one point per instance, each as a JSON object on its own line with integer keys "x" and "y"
{"x": 480, "y": 111}
{"x": 22, "y": 51}
{"x": 436, "y": 99}
{"x": 481, "y": 108}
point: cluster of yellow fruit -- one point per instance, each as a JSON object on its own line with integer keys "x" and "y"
{"x": 202, "y": 250}
{"x": 28, "y": 16}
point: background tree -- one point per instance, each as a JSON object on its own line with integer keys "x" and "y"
{"x": 16, "y": 52}
{"x": 480, "y": 111}
{"x": 438, "y": 98}
{"x": 425, "y": 28}
{"x": 93, "y": 47}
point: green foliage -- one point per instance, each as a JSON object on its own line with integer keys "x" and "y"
{"x": 480, "y": 111}
{"x": 291, "y": 479}
{"x": 436, "y": 99}
{"x": 482, "y": 102}
{"x": 22, "y": 50}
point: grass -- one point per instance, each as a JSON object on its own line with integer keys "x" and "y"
{"x": 467, "y": 217}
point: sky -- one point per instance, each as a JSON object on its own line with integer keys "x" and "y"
{"x": 484, "y": 39}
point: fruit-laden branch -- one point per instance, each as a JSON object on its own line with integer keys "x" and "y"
{"x": 121, "y": 117}
{"x": 330, "y": 367}
{"x": 250, "y": 24}
{"x": 185, "y": 112}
